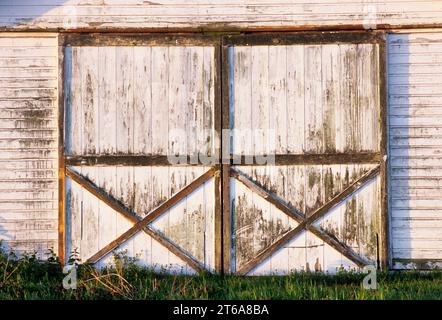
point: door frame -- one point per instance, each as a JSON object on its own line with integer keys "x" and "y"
{"x": 380, "y": 158}
{"x": 223, "y": 171}
{"x": 65, "y": 160}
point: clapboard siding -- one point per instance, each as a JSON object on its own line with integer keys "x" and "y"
{"x": 415, "y": 110}
{"x": 28, "y": 143}
{"x": 215, "y": 14}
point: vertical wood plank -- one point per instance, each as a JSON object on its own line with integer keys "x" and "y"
{"x": 107, "y": 100}
{"x": 195, "y": 102}
{"x": 125, "y": 192}
{"x": 142, "y": 100}
{"x": 314, "y": 198}
{"x": 64, "y": 78}
{"x": 349, "y": 97}
{"x": 75, "y": 136}
{"x": 160, "y": 99}
{"x": 211, "y": 83}
{"x": 107, "y": 228}
{"x": 313, "y": 100}
{"x": 211, "y": 234}
{"x": 242, "y": 100}
{"x": 259, "y": 100}
{"x": 125, "y": 106}
{"x": 385, "y": 219}
{"x": 89, "y": 94}
{"x": 228, "y": 97}
{"x": 160, "y": 192}
{"x": 89, "y": 217}
{"x": 330, "y": 97}
{"x": 332, "y": 221}
{"x": 278, "y": 115}
{"x": 178, "y": 64}
{"x": 295, "y": 99}
{"x": 217, "y": 115}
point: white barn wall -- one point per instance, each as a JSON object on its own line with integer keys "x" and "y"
{"x": 28, "y": 142}
{"x": 28, "y": 107}
{"x": 216, "y": 14}
{"x": 415, "y": 108}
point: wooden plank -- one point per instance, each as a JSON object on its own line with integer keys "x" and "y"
{"x": 266, "y": 195}
{"x": 64, "y": 75}
{"x": 295, "y": 99}
{"x": 305, "y": 38}
{"x": 385, "y": 243}
{"x": 160, "y": 99}
{"x": 74, "y": 135}
{"x": 227, "y": 53}
{"x": 107, "y": 104}
{"x": 277, "y": 74}
{"x": 124, "y": 92}
{"x": 89, "y": 99}
{"x": 314, "y": 135}
{"x": 150, "y": 217}
{"x": 240, "y": 66}
{"x": 142, "y": 95}
{"x": 280, "y": 159}
{"x": 331, "y": 98}
{"x": 259, "y": 111}
{"x": 349, "y": 98}
{"x": 139, "y": 39}
{"x": 195, "y": 102}
{"x": 217, "y": 152}
{"x": 89, "y": 217}
{"x": 107, "y": 228}
{"x": 305, "y": 223}
{"x": 178, "y": 64}
{"x": 125, "y": 194}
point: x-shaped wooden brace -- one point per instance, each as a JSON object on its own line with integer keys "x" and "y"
{"x": 304, "y": 223}
{"x": 142, "y": 224}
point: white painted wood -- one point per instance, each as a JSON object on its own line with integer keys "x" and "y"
{"x": 210, "y": 14}
{"x": 28, "y": 143}
{"x": 129, "y": 107}
{"x": 415, "y": 148}
{"x": 305, "y": 99}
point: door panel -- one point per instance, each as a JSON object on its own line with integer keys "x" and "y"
{"x": 130, "y": 112}
{"x": 312, "y": 111}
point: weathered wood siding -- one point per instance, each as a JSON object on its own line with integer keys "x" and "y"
{"x": 415, "y": 68}
{"x": 216, "y": 14}
{"x": 149, "y": 101}
{"x": 305, "y": 99}
{"x": 28, "y": 142}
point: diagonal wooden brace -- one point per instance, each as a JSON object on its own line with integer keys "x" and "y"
{"x": 141, "y": 224}
{"x": 304, "y": 223}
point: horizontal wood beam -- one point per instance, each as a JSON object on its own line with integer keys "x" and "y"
{"x": 139, "y": 39}
{"x": 305, "y": 223}
{"x": 279, "y": 159}
{"x": 324, "y": 37}
{"x": 299, "y": 159}
{"x": 154, "y": 214}
{"x": 126, "y": 160}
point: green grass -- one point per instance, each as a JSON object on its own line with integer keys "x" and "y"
{"x": 28, "y": 278}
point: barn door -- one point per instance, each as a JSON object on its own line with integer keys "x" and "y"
{"x": 307, "y": 171}
{"x": 139, "y": 133}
